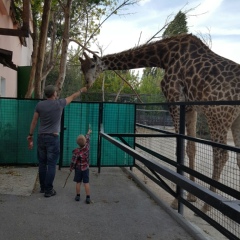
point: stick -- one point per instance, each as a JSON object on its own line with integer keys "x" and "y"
{"x": 67, "y": 179}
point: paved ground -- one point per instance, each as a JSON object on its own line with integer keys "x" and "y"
{"x": 17, "y": 181}
{"x": 120, "y": 210}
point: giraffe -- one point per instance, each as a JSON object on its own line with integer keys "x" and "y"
{"x": 192, "y": 73}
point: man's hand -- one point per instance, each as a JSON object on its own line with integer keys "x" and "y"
{"x": 84, "y": 89}
{"x": 29, "y": 137}
{"x": 30, "y": 142}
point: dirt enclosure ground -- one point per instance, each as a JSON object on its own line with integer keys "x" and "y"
{"x": 167, "y": 148}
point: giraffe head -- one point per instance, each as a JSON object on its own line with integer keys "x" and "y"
{"x": 91, "y": 68}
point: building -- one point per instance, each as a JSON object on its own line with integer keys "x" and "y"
{"x": 16, "y": 46}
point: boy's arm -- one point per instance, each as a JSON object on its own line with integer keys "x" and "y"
{"x": 89, "y": 131}
{"x": 87, "y": 136}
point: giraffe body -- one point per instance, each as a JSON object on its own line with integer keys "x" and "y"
{"x": 192, "y": 73}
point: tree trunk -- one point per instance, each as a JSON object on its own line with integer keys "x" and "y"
{"x": 42, "y": 46}
{"x": 49, "y": 60}
{"x": 35, "y": 37}
{"x": 63, "y": 61}
{"x": 119, "y": 91}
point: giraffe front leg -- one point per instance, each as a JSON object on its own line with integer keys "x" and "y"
{"x": 190, "y": 150}
{"x": 236, "y": 136}
{"x": 191, "y": 120}
{"x": 220, "y": 157}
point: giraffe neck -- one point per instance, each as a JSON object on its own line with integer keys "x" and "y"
{"x": 139, "y": 57}
{"x": 163, "y": 53}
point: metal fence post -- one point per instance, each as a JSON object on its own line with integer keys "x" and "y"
{"x": 61, "y": 141}
{"x": 100, "y": 120}
{"x": 180, "y": 154}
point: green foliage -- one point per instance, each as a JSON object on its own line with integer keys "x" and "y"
{"x": 86, "y": 18}
{"x": 177, "y": 26}
{"x": 37, "y": 9}
{"x": 113, "y": 83}
{"x": 73, "y": 80}
{"x": 150, "y": 83}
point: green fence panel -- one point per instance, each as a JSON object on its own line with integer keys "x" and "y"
{"x": 77, "y": 118}
{"x": 25, "y": 114}
{"x": 16, "y": 116}
{"x": 8, "y": 131}
{"x": 117, "y": 118}
{"x": 15, "y": 119}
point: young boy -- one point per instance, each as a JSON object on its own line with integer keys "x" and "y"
{"x": 80, "y": 162}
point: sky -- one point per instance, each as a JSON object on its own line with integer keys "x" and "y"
{"x": 219, "y": 18}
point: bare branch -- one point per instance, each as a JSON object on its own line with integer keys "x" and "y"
{"x": 206, "y": 38}
{"x": 167, "y": 22}
{"x": 129, "y": 86}
{"x": 139, "y": 38}
{"x": 125, "y": 3}
{"x": 85, "y": 48}
{"x": 119, "y": 91}
{"x": 48, "y": 70}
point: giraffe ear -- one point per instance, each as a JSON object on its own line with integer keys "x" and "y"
{"x": 95, "y": 57}
{"x": 81, "y": 60}
{"x": 85, "y": 55}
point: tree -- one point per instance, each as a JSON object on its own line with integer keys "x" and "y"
{"x": 57, "y": 32}
{"x": 42, "y": 47}
{"x": 91, "y": 27}
{"x": 177, "y": 26}
{"x": 36, "y": 6}
{"x": 150, "y": 84}
{"x": 65, "y": 42}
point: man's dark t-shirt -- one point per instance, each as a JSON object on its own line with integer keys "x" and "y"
{"x": 50, "y": 112}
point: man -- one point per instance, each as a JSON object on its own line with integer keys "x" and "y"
{"x": 48, "y": 145}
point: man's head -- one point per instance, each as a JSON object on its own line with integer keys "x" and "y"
{"x": 50, "y": 91}
{"x": 81, "y": 141}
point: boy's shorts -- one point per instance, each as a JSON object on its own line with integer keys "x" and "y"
{"x": 81, "y": 176}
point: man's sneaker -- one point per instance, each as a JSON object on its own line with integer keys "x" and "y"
{"x": 88, "y": 201}
{"x": 50, "y": 194}
{"x": 77, "y": 198}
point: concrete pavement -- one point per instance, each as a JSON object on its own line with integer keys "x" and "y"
{"x": 120, "y": 210}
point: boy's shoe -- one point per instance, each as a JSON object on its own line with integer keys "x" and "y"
{"x": 77, "y": 198}
{"x": 88, "y": 201}
{"x": 50, "y": 194}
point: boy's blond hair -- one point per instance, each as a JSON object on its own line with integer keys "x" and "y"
{"x": 81, "y": 141}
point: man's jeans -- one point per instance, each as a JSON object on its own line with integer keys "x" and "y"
{"x": 48, "y": 155}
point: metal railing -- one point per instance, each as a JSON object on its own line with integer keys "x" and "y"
{"x": 173, "y": 173}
